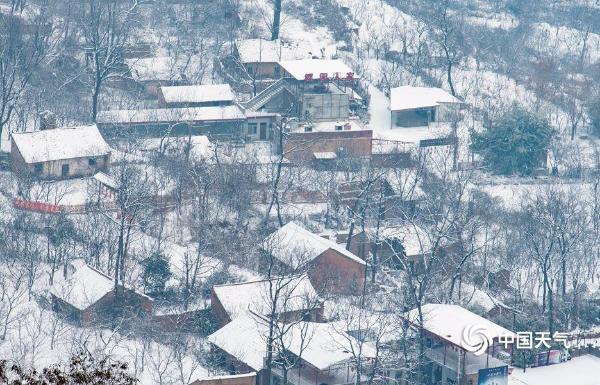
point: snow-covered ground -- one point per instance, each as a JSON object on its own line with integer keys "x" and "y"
{"x": 582, "y": 370}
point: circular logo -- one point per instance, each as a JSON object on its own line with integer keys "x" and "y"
{"x": 476, "y": 339}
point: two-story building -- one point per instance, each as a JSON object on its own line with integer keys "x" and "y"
{"x": 453, "y": 339}
{"x": 309, "y": 89}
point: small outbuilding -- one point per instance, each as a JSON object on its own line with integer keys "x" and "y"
{"x": 419, "y": 106}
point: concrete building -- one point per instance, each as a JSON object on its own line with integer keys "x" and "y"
{"x": 420, "y": 106}
{"x": 59, "y": 153}
{"x": 309, "y": 89}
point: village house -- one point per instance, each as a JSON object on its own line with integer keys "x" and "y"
{"x": 328, "y": 143}
{"x": 225, "y": 122}
{"x": 86, "y": 295}
{"x": 450, "y": 354}
{"x": 59, "y": 152}
{"x": 260, "y": 57}
{"x": 209, "y": 95}
{"x": 329, "y": 266}
{"x": 321, "y": 353}
{"x": 295, "y": 299}
{"x": 151, "y": 73}
{"x": 309, "y": 89}
{"x": 420, "y": 106}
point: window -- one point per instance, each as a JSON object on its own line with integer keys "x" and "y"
{"x": 92, "y": 162}
{"x": 65, "y": 170}
{"x": 38, "y": 167}
{"x": 252, "y": 128}
{"x": 307, "y": 128}
{"x": 338, "y": 128}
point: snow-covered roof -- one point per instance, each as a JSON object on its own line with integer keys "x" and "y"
{"x": 106, "y": 180}
{"x": 83, "y": 286}
{"x": 197, "y": 94}
{"x": 319, "y": 344}
{"x": 414, "y": 239}
{"x": 243, "y": 338}
{"x": 327, "y": 155}
{"x": 167, "y": 115}
{"x": 60, "y": 143}
{"x": 450, "y": 322}
{"x": 332, "y": 67}
{"x": 329, "y": 126}
{"x": 153, "y": 68}
{"x": 409, "y": 98}
{"x": 294, "y": 294}
{"x": 295, "y": 246}
{"x": 268, "y": 51}
{"x": 414, "y": 135}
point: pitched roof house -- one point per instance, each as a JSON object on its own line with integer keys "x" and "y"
{"x": 87, "y": 295}
{"x": 60, "y": 152}
{"x": 325, "y": 352}
{"x": 294, "y": 297}
{"x": 459, "y": 342}
{"x": 328, "y": 265}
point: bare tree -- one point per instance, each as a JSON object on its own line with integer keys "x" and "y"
{"x": 20, "y": 55}
{"x": 105, "y": 27}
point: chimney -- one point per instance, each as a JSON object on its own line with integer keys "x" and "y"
{"x": 47, "y": 120}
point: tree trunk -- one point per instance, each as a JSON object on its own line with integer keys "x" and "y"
{"x": 276, "y": 20}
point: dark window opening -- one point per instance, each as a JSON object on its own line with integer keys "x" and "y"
{"x": 92, "y": 161}
{"x": 65, "y": 170}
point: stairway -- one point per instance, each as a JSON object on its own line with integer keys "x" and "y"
{"x": 263, "y": 97}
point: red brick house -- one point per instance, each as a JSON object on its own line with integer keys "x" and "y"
{"x": 87, "y": 295}
{"x": 295, "y": 298}
{"x": 329, "y": 266}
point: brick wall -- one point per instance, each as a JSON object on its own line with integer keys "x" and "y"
{"x": 300, "y": 146}
{"x": 218, "y": 309}
{"x": 336, "y": 273}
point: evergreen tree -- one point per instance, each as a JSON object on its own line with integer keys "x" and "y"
{"x": 516, "y": 144}
{"x": 156, "y": 273}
